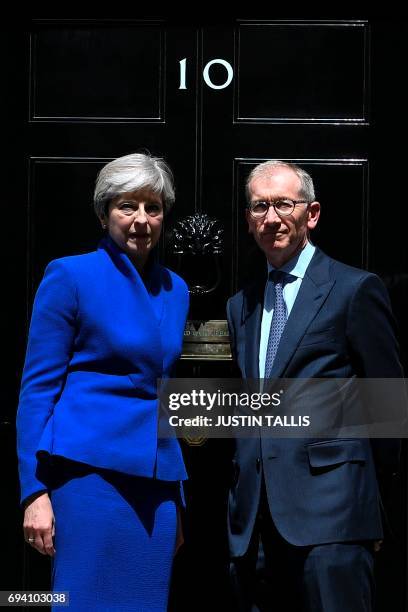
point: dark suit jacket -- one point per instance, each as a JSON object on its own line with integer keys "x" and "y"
{"x": 319, "y": 490}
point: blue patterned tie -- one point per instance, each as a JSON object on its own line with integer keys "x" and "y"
{"x": 278, "y": 319}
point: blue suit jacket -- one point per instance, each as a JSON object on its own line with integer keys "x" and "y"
{"x": 99, "y": 340}
{"x": 319, "y": 491}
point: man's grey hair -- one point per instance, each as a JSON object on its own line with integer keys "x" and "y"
{"x": 130, "y": 173}
{"x": 306, "y": 191}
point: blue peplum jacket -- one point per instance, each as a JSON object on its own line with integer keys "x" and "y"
{"x": 99, "y": 339}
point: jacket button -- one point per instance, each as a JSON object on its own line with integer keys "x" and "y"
{"x": 258, "y": 464}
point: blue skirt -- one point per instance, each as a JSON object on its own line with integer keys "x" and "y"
{"x": 114, "y": 537}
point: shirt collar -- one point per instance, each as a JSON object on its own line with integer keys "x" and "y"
{"x": 298, "y": 264}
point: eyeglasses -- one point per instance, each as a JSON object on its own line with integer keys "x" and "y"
{"x": 284, "y": 207}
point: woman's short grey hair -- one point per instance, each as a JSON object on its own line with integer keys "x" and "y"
{"x": 130, "y": 173}
{"x": 306, "y": 191}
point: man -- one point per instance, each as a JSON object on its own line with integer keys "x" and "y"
{"x": 304, "y": 515}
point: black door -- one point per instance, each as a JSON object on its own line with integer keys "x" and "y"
{"x": 214, "y": 99}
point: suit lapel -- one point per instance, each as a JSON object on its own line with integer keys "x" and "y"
{"x": 157, "y": 296}
{"x": 252, "y": 318}
{"x": 313, "y": 292}
{"x": 144, "y": 304}
{"x": 149, "y": 295}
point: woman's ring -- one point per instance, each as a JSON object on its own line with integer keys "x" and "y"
{"x": 31, "y": 540}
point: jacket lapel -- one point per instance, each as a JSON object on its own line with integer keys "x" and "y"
{"x": 147, "y": 301}
{"x": 313, "y": 292}
{"x": 155, "y": 285}
{"x": 252, "y": 318}
{"x": 151, "y": 292}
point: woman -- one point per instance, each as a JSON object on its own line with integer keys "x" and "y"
{"x": 105, "y": 326}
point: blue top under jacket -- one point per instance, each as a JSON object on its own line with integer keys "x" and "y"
{"x": 99, "y": 339}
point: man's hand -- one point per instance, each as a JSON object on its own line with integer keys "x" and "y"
{"x": 377, "y": 545}
{"x": 39, "y": 525}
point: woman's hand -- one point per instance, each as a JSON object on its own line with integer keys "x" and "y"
{"x": 39, "y": 524}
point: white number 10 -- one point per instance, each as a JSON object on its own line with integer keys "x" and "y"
{"x": 206, "y": 73}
